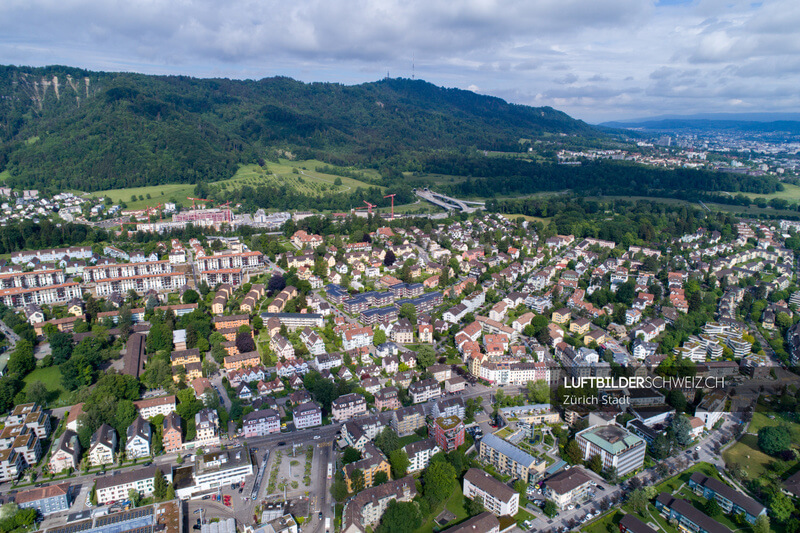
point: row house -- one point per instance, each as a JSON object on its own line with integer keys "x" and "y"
{"x": 291, "y": 368}
{"x": 126, "y": 270}
{"x": 246, "y": 375}
{"x": 168, "y": 281}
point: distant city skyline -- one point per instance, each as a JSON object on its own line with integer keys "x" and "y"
{"x": 596, "y": 60}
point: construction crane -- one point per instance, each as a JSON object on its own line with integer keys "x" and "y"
{"x": 196, "y": 199}
{"x": 369, "y": 206}
{"x": 392, "y": 197}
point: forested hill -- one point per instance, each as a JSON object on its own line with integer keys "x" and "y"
{"x": 64, "y": 128}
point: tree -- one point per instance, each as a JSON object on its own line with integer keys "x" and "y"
{"x": 781, "y": 507}
{"x": 661, "y": 447}
{"x": 400, "y": 517}
{"x": 357, "y": 480}
{"x": 572, "y": 452}
{"x": 426, "y": 356}
{"x": 245, "y": 342}
{"x": 190, "y": 297}
{"x": 258, "y": 323}
{"x": 677, "y": 399}
{"x": 61, "y": 347}
{"x": 475, "y": 506}
{"x": 681, "y": 429}
{"x": 400, "y": 463}
{"x": 379, "y": 337}
{"x": 379, "y": 478}
{"x": 550, "y": 508}
{"x": 389, "y": 258}
{"x": 276, "y": 283}
{"x": 351, "y": 455}
{"x": 38, "y": 393}
{"x": 339, "y": 490}
{"x": 135, "y": 497}
{"x": 761, "y": 524}
{"x": 22, "y": 361}
{"x": 712, "y": 508}
{"x": 387, "y": 441}
{"x": 595, "y": 463}
{"x": 638, "y": 500}
{"x": 159, "y": 485}
{"x": 538, "y": 391}
{"x": 774, "y": 439}
{"x": 408, "y": 311}
{"x": 438, "y": 481}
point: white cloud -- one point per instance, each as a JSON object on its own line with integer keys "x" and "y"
{"x": 595, "y": 59}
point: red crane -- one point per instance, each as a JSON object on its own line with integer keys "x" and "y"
{"x": 197, "y": 199}
{"x": 369, "y": 206}
{"x": 392, "y": 197}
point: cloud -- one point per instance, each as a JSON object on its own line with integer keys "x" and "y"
{"x": 596, "y": 59}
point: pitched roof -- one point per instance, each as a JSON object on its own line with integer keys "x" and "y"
{"x": 489, "y": 484}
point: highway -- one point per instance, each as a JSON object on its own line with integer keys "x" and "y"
{"x": 448, "y": 203}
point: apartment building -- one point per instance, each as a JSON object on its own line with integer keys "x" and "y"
{"x": 151, "y": 407}
{"x": 348, "y": 406}
{"x": 138, "y": 435}
{"x": 46, "y": 500}
{"x": 366, "y": 508}
{"x": 510, "y": 460}
{"x": 729, "y": 499}
{"x": 102, "y": 446}
{"x": 407, "y": 420}
{"x": 485, "y": 522}
{"x": 307, "y": 415}
{"x": 260, "y": 423}
{"x": 67, "y": 454}
{"x": 165, "y": 282}
{"x": 447, "y": 432}
{"x": 424, "y": 390}
{"x": 171, "y": 436}
{"x": 116, "y": 487}
{"x": 207, "y": 430}
{"x": 294, "y": 321}
{"x": 689, "y": 518}
{"x": 419, "y": 454}
{"x": 498, "y": 498}
{"x": 568, "y": 487}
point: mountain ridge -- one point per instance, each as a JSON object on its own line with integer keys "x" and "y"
{"x": 71, "y": 128}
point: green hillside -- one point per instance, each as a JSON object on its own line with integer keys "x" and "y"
{"x": 66, "y": 128}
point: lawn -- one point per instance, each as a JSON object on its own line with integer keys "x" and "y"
{"x": 408, "y": 439}
{"x": 4, "y": 174}
{"x": 454, "y": 503}
{"x": 746, "y": 453}
{"x": 306, "y": 181}
{"x": 51, "y": 377}
{"x": 601, "y": 525}
{"x": 529, "y": 218}
{"x": 790, "y": 192}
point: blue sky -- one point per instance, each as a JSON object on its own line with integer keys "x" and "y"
{"x": 594, "y": 59}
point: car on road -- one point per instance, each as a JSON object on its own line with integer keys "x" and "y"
{"x": 697, "y": 449}
{"x": 320, "y": 515}
{"x": 281, "y": 443}
{"x": 196, "y": 511}
{"x": 316, "y": 437}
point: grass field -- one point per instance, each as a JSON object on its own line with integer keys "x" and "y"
{"x": 790, "y": 192}
{"x": 306, "y": 181}
{"x": 529, "y": 218}
{"x": 601, "y": 525}
{"x": 4, "y": 174}
{"x": 51, "y": 377}
{"x": 454, "y": 503}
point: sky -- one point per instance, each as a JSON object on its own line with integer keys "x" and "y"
{"x": 596, "y": 60}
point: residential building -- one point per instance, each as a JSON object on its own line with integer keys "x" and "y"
{"x": 419, "y": 454}
{"x": 617, "y": 447}
{"x": 220, "y": 468}
{"x": 348, "y": 406}
{"x": 689, "y": 518}
{"x": 568, "y": 487}
{"x": 171, "y": 436}
{"x": 498, "y": 498}
{"x": 117, "y": 487}
{"x": 260, "y": 423}
{"x": 387, "y": 399}
{"x": 510, "y": 460}
{"x": 153, "y": 407}
{"x": 307, "y": 415}
{"x": 729, "y": 499}
{"x": 447, "y": 432}
{"x": 366, "y": 508}
{"x": 485, "y": 522}
{"x": 406, "y": 420}
{"x": 631, "y": 524}
{"x": 67, "y": 454}
{"x": 372, "y": 462}
{"x": 46, "y": 500}
{"x": 102, "y": 446}
{"x": 424, "y": 390}
{"x": 207, "y": 429}
{"x": 138, "y": 439}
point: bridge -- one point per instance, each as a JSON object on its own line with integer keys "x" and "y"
{"x": 447, "y": 203}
